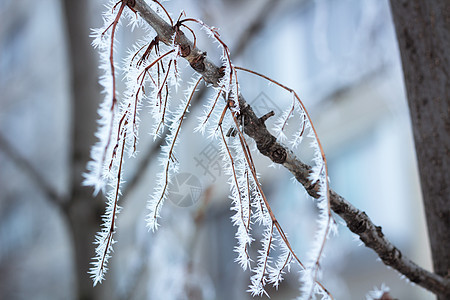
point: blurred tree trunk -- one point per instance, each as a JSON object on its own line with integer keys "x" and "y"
{"x": 82, "y": 211}
{"x": 423, "y": 32}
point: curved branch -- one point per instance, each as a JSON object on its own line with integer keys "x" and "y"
{"x": 357, "y": 221}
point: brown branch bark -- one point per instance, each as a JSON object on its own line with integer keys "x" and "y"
{"x": 423, "y": 33}
{"x": 357, "y": 221}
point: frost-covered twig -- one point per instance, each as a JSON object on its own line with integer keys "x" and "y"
{"x": 357, "y": 221}
{"x": 167, "y": 159}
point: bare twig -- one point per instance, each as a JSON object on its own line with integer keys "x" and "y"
{"x": 357, "y": 221}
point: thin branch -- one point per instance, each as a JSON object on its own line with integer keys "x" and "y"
{"x": 30, "y": 171}
{"x": 172, "y": 148}
{"x": 357, "y": 221}
{"x": 113, "y": 72}
{"x": 254, "y": 27}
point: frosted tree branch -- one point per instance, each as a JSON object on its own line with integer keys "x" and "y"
{"x": 357, "y": 221}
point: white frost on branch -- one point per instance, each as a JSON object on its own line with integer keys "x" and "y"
{"x": 325, "y": 223}
{"x": 104, "y": 239}
{"x": 241, "y": 187}
{"x": 228, "y": 81}
{"x": 280, "y": 125}
{"x": 282, "y": 265}
{"x": 297, "y": 138}
{"x": 259, "y": 278}
{"x": 167, "y": 158}
{"x": 98, "y": 165}
{"x": 377, "y": 293}
{"x": 210, "y": 110}
{"x": 117, "y": 131}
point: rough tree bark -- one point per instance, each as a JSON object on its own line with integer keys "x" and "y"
{"x": 423, "y": 33}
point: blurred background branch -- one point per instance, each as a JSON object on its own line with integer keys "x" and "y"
{"x": 28, "y": 168}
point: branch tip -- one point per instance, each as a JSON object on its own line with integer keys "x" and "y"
{"x": 267, "y": 116}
